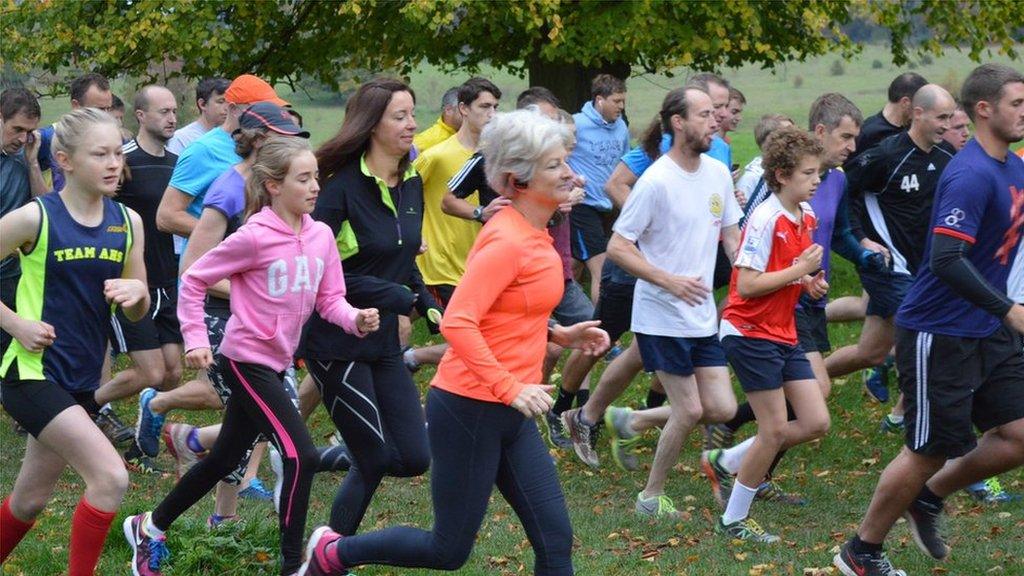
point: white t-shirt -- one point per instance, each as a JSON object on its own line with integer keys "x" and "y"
{"x": 185, "y": 136}
{"x": 1015, "y": 283}
{"x": 750, "y": 177}
{"x": 675, "y": 217}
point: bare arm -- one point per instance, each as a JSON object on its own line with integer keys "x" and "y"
{"x": 210, "y": 230}
{"x": 693, "y": 291}
{"x": 731, "y": 241}
{"x": 18, "y": 229}
{"x": 37, "y": 184}
{"x": 620, "y": 184}
{"x": 172, "y": 216}
{"x": 751, "y": 283}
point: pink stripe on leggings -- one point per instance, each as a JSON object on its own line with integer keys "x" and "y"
{"x": 286, "y": 440}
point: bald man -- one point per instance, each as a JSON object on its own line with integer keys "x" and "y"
{"x": 892, "y": 187}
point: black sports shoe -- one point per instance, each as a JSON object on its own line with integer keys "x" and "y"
{"x": 925, "y": 520}
{"x": 112, "y": 426}
{"x": 852, "y": 564}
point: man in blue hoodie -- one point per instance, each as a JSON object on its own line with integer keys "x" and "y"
{"x": 601, "y": 139}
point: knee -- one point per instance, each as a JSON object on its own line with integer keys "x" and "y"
{"x": 772, "y": 436}
{"x": 875, "y": 355}
{"x": 452, "y": 558}
{"x": 172, "y": 375}
{"x": 818, "y": 427}
{"x": 153, "y": 376}
{"x": 112, "y": 481}
{"x": 688, "y": 413}
{"x": 415, "y": 464}
{"x": 28, "y": 506}
{"x": 721, "y": 411}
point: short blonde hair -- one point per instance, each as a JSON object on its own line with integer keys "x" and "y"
{"x": 513, "y": 143}
{"x": 73, "y": 128}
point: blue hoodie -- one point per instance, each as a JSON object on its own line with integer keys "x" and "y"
{"x": 599, "y": 145}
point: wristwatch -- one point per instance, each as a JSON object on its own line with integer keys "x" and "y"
{"x": 478, "y": 214}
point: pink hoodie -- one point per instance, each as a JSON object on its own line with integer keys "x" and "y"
{"x": 277, "y": 277}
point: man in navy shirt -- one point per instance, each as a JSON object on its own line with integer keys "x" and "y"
{"x": 90, "y": 90}
{"x": 959, "y": 339}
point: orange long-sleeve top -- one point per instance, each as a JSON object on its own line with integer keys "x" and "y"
{"x": 496, "y": 322}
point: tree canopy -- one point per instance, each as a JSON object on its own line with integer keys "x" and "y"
{"x": 288, "y": 39}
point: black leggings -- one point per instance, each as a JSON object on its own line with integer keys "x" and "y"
{"x": 258, "y": 405}
{"x": 376, "y": 407}
{"x": 477, "y": 445}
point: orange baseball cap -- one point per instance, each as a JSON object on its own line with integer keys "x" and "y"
{"x": 249, "y": 89}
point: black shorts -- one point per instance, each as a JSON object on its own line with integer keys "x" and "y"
{"x": 615, "y": 308}
{"x": 762, "y": 364}
{"x": 216, "y": 314}
{"x": 158, "y": 327}
{"x": 589, "y": 231}
{"x": 8, "y": 289}
{"x": 442, "y": 293}
{"x": 951, "y": 384}
{"x": 886, "y": 290}
{"x": 812, "y": 329}
{"x": 723, "y": 268}
{"x": 35, "y": 403}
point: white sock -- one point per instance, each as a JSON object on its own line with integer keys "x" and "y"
{"x": 739, "y": 503}
{"x": 896, "y": 418}
{"x": 732, "y": 457}
{"x": 149, "y": 528}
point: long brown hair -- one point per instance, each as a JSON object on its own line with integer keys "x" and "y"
{"x": 363, "y": 112}
{"x": 273, "y": 160}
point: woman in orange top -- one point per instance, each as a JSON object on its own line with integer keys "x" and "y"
{"x": 483, "y": 400}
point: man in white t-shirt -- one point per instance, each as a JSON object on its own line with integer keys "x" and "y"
{"x": 667, "y": 236}
{"x": 213, "y": 109}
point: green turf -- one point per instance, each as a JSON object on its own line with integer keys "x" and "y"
{"x": 836, "y": 474}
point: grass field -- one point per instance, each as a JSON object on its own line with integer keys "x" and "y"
{"x": 837, "y": 474}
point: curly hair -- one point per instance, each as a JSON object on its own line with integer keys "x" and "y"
{"x": 784, "y": 150}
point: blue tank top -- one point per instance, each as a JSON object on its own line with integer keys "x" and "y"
{"x": 62, "y": 285}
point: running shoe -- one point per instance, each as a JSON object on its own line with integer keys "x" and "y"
{"x": 720, "y": 478}
{"x": 876, "y": 382}
{"x": 556, "y": 435}
{"x": 583, "y": 436}
{"x": 991, "y": 491}
{"x": 149, "y": 426}
{"x": 850, "y": 563}
{"x": 893, "y": 426}
{"x": 112, "y": 426}
{"x": 214, "y": 521}
{"x": 256, "y": 491}
{"x": 136, "y": 461}
{"x": 317, "y": 563}
{"x": 925, "y": 521}
{"x": 176, "y": 439}
{"x": 616, "y": 423}
{"x": 769, "y": 491}
{"x": 658, "y": 507}
{"x": 718, "y": 436}
{"x": 745, "y": 529}
{"x": 148, "y": 553}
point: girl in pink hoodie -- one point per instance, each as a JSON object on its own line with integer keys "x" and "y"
{"x": 281, "y": 265}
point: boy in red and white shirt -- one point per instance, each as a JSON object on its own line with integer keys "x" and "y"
{"x": 777, "y": 260}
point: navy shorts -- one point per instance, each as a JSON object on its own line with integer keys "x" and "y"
{"x": 812, "y": 329}
{"x": 575, "y": 306}
{"x": 886, "y": 290}
{"x": 678, "y": 355}
{"x": 761, "y": 364}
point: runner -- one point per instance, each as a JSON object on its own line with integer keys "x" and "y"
{"x": 213, "y": 110}
{"x": 281, "y": 265}
{"x": 372, "y": 200}
{"x": 959, "y": 341}
{"x": 892, "y": 188}
{"x": 80, "y": 253}
{"x": 448, "y": 123}
{"x": 154, "y": 342}
{"x": 481, "y": 405}
{"x": 90, "y": 90}
{"x": 777, "y": 261}
{"x": 674, "y": 316}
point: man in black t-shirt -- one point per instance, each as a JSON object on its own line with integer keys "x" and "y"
{"x": 154, "y": 342}
{"x": 893, "y": 118}
{"x": 891, "y": 188}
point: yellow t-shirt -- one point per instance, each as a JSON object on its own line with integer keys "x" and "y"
{"x": 437, "y": 133}
{"x": 448, "y": 238}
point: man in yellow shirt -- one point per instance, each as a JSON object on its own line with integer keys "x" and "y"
{"x": 447, "y": 124}
{"x": 449, "y": 238}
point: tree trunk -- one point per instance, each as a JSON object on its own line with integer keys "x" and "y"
{"x": 571, "y": 82}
